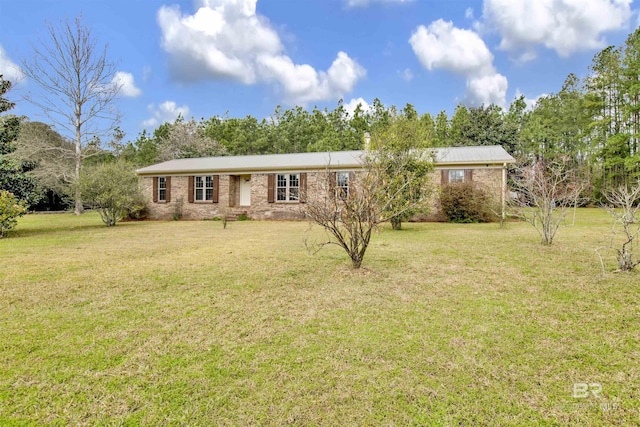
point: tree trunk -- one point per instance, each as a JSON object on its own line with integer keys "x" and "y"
{"x": 396, "y": 223}
{"x": 79, "y": 209}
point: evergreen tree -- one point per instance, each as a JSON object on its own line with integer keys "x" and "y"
{"x": 14, "y": 175}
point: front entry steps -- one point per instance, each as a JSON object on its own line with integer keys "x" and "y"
{"x": 235, "y": 213}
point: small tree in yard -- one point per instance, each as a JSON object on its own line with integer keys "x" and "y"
{"x": 623, "y": 204}
{"x": 402, "y": 159}
{"x": 113, "y": 190}
{"x": 350, "y": 216}
{"x": 10, "y": 209}
{"x": 546, "y": 191}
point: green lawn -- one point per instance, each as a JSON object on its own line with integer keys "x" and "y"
{"x": 187, "y": 323}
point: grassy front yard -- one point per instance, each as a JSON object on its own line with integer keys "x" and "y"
{"x": 187, "y": 323}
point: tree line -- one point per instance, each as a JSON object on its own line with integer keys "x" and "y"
{"x": 591, "y": 124}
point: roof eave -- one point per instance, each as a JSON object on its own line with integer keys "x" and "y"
{"x": 249, "y": 170}
{"x": 474, "y": 163}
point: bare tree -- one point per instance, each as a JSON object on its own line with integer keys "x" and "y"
{"x": 623, "y": 205}
{"x": 186, "y": 139}
{"x": 545, "y": 193}
{"x": 350, "y": 215}
{"x": 78, "y": 88}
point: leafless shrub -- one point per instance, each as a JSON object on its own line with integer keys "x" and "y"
{"x": 623, "y": 204}
{"x": 545, "y": 193}
{"x": 350, "y": 217}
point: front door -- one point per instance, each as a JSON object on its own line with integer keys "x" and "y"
{"x": 245, "y": 190}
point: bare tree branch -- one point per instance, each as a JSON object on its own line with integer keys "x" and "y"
{"x": 185, "y": 140}
{"x": 623, "y": 204}
{"x": 350, "y": 217}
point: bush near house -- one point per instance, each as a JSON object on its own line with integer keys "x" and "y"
{"x": 465, "y": 202}
{"x": 113, "y": 190}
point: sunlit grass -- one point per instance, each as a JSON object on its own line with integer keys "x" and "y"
{"x": 187, "y": 323}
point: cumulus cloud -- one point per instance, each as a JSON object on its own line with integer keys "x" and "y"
{"x": 365, "y": 3}
{"x": 443, "y": 46}
{"x": 488, "y": 89}
{"x": 565, "y": 26}
{"x": 168, "y": 111}
{"x": 8, "y": 68}
{"x": 127, "y": 84}
{"x": 227, "y": 39}
{"x": 351, "y": 106}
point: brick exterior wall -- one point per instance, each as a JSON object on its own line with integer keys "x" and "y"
{"x": 487, "y": 178}
{"x": 261, "y": 209}
{"x": 228, "y": 200}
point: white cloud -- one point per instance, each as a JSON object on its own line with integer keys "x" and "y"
{"x": 468, "y": 13}
{"x": 565, "y": 26}
{"x": 168, "y": 111}
{"x": 226, "y": 39}
{"x": 303, "y": 84}
{"x": 488, "y": 89}
{"x": 406, "y": 74}
{"x": 443, "y": 46}
{"x": 365, "y": 3}
{"x": 351, "y": 106}
{"x": 127, "y": 84}
{"x": 9, "y": 69}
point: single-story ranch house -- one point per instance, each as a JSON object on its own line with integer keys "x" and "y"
{"x": 273, "y": 186}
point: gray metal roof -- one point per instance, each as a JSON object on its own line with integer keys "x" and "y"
{"x": 492, "y": 154}
{"x": 311, "y": 161}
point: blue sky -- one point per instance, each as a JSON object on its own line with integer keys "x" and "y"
{"x": 207, "y": 57}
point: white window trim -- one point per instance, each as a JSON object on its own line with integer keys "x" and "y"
{"x": 288, "y": 187}
{"x": 342, "y": 190}
{"x": 204, "y": 188}
{"x": 456, "y": 175}
{"x": 162, "y": 180}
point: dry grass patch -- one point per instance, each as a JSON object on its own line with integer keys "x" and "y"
{"x": 176, "y": 323}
